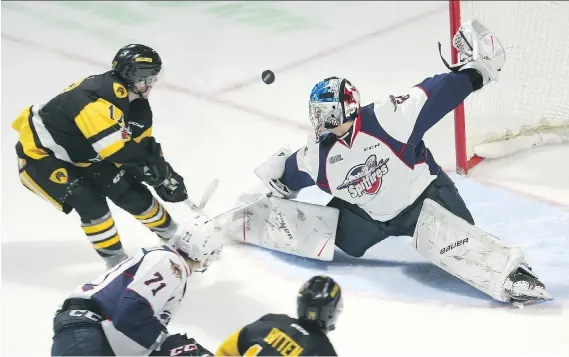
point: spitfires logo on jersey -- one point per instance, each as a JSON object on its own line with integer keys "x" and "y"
{"x": 365, "y": 178}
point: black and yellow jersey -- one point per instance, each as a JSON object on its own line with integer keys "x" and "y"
{"x": 277, "y": 335}
{"x": 88, "y": 122}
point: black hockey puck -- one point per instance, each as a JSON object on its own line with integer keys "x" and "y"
{"x": 268, "y": 76}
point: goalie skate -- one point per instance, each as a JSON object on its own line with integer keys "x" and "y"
{"x": 524, "y": 286}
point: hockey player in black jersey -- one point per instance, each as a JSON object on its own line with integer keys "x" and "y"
{"x": 94, "y": 141}
{"x": 319, "y": 303}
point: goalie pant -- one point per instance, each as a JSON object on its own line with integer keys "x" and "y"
{"x": 381, "y": 172}
{"x": 353, "y": 218}
{"x": 126, "y": 310}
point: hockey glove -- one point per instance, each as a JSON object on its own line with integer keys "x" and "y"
{"x": 271, "y": 171}
{"x": 279, "y": 189}
{"x": 156, "y": 170}
{"x": 181, "y": 345}
{"x": 173, "y": 189}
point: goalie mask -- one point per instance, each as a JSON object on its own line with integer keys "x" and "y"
{"x": 333, "y": 102}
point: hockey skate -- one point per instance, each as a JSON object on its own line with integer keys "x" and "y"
{"x": 115, "y": 259}
{"x": 524, "y": 286}
{"x": 478, "y": 49}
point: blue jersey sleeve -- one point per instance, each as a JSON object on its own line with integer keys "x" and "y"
{"x": 445, "y": 92}
{"x": 133, "y": 299}
{"x": 135, "y": 318}
{"x": 293, "y": 177}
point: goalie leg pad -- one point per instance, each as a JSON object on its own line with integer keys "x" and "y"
{"x": 292, "y": 227}
{"x": 465, "y": 251}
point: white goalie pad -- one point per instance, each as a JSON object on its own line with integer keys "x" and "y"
{"x": 465, "y": 251}
{"x": 287, "y": 226}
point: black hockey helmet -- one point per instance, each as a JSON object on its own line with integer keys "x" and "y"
{"x": 137, "y": 63}
{"x": 320, "y": 300}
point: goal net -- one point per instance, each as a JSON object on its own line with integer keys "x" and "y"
{"x": 529, "y": 105}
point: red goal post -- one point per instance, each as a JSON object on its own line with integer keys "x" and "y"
{"x": 529, "y": 105}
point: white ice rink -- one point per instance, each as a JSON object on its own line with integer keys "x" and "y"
{"x": 396, "y": 304}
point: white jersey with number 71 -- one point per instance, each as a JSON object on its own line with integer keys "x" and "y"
{"x": 138, "y": 298}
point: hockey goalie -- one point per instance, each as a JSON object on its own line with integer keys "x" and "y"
{"x": 385, "y": 182}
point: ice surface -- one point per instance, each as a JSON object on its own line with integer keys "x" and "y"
{"x": 396, "y": 303}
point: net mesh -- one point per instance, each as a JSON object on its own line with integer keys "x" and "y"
{"x": 532, "y": 94}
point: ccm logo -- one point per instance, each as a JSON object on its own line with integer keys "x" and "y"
{"x": 186, "y": 348}
{"x": 454, "y": 245}
{"x": 371, "y": 147}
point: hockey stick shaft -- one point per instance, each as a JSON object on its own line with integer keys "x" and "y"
{"x": 208, "y": 193}
{"x": 235, "y": 209}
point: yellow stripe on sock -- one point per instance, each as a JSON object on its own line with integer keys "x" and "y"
{"x": 100, "y": 226}
{"x": 158, "y": 222}
{"x": 149, "y": 214}
{"x": 107, "y": 243}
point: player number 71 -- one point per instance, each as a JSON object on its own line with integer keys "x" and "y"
{"x": 158, "y": 278}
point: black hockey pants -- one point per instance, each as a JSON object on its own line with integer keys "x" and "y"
{"x": 357, "y": 231}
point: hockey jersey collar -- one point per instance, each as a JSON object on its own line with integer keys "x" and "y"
{"x": 348, "y": 138}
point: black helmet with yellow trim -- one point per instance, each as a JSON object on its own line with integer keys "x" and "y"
{"x": 138, "y": 66}
{"x": 320, "y": 300}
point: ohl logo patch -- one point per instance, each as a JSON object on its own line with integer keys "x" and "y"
{"x": 59, "y": 176}
{"x": 365, "y": 178}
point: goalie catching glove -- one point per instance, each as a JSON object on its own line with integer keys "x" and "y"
{"x": 271, "y": 171}
{"x": 478, "y": 50}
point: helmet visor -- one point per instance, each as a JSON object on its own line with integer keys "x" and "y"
{"x": 143, "y": 85}
{"x": 154, "y": 81}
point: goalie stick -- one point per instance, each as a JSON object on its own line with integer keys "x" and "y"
{"x": 247, "y": 203}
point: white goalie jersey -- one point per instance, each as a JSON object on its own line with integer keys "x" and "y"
{"x": 383, "y": 165}
{"x": 138, "y": 297}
